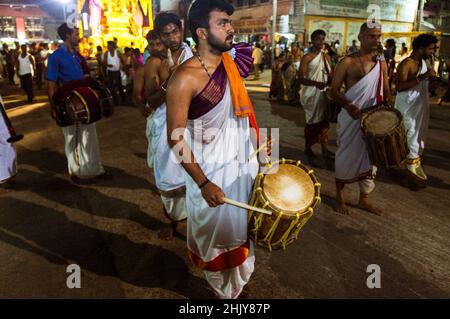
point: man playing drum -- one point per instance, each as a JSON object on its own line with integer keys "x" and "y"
{"x": 315, "y": 72}
{"x": 207, "y": 96}
{"x": 365, "y": 77}
{"x": 81, "y": 143}
{"x": 413, "y": 102}
{"x": 169, "y": 175}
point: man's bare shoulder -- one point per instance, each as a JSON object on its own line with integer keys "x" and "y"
{"x": 348, "y": 59}
{"x": 309, "y": 56}
{"x": 189, "y": 70}
{"x": 406, "y": 63}
{"x": 346, "y": 62}
{"x": 188, "y": 77}
{"x": 153, "y": 60}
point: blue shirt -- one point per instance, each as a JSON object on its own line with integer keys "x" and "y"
{"x": 63, "y": 66}
{"x": 146, "y": 55}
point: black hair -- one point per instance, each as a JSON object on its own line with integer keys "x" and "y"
{"x": 366, "y": 27}
{"x": 199, "y": 14}
{"x": 424, "y": 40}
{"x": 64, "y": 31}
{"x": 110, "y": 43}
{"x": 152, "y": 35}
{"x": 165, "y": 18}
{"x": 317, "y": 33}
{"x": 136, "y": 51}
{"x": 127, "y": 49}
{"x": 391, "y": 42}
{"x": 99, "y": 48}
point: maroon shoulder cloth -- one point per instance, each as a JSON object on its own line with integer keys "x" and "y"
{"x": 214, "y": 90}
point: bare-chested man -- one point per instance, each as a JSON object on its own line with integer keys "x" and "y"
{"x": 169, "y": 175}
{"x": 207, "y": 97}
{"x": 364, "y": 75}
{"x": 413, "y": 102}
{"x": 315, "y": 74}
{"x": 156, "y": 49}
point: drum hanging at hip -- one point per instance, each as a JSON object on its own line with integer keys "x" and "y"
{"x": 438, "y": 86}
{"x": 385, "y": 136}
{"x": 84, "y": 101}
{"x": 291, "y": 191}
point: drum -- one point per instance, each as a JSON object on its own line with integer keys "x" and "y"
{"x": 85, "y": 101}
{"x": 438, "y": 87}
{"x": 385, "y": 136}
{"x": 291, "y": 191}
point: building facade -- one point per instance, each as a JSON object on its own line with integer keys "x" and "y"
{"x": 437, "y": 13}
{"x": 341, "y": 19}
{"x": 22, "y": 22}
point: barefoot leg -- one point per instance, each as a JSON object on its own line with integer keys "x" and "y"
{"x": 365, "y": 205}
{"x": 167, "y": 231}
{"x": 341, "y": 206}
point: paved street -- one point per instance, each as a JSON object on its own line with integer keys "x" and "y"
{"x": 110, "y": 228}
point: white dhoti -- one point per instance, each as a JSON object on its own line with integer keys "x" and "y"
{"x": 352, "y": 163}
{"x": 82, "y": 150}
{"x": 312, "y": 99}
{"x": 415, "y": 108}
{"x": 217, "y": 237}
{"x": 169, "y": 174}
{"x": 148, "y": 133}
{"x": 8, "y": 157}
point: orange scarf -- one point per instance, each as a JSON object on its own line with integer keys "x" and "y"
{"x": 241, "y": 101}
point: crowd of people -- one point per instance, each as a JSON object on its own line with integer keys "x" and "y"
{"x": 285, "y": 80}
{"x": 25, "y": 65}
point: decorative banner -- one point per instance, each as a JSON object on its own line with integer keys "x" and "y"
{"x": 391, "y": 10}
{"x": 335, "y": 30}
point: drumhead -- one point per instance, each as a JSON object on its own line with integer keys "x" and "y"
{"x": 381, "y": 122}
{"x": 290, "y": 189}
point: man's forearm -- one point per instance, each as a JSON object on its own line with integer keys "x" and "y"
{"x": 340, "y": 99}
{"x": 406, "y": 85}
{"x": 51, "y": 93}
{"x": 308, "y": 82}
{"x": 156, "y": 99}
{"x": 196, "y": 173}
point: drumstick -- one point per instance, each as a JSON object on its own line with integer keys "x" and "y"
{"x": 245, "y": 206}
{"x": 257, "y": 151}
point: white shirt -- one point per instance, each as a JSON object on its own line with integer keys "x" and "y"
{"x": 114, "y": 61}
{"x": 24, "y": 65}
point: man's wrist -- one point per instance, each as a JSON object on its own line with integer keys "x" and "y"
{"x": 204, "y": 183}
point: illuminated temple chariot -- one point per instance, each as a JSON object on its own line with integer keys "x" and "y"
{"x": 127, "y": 20}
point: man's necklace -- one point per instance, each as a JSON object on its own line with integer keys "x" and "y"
{"x": 203, "y": 64}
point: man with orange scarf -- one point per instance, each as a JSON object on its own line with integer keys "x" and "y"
{"x": 210, "y": 121}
